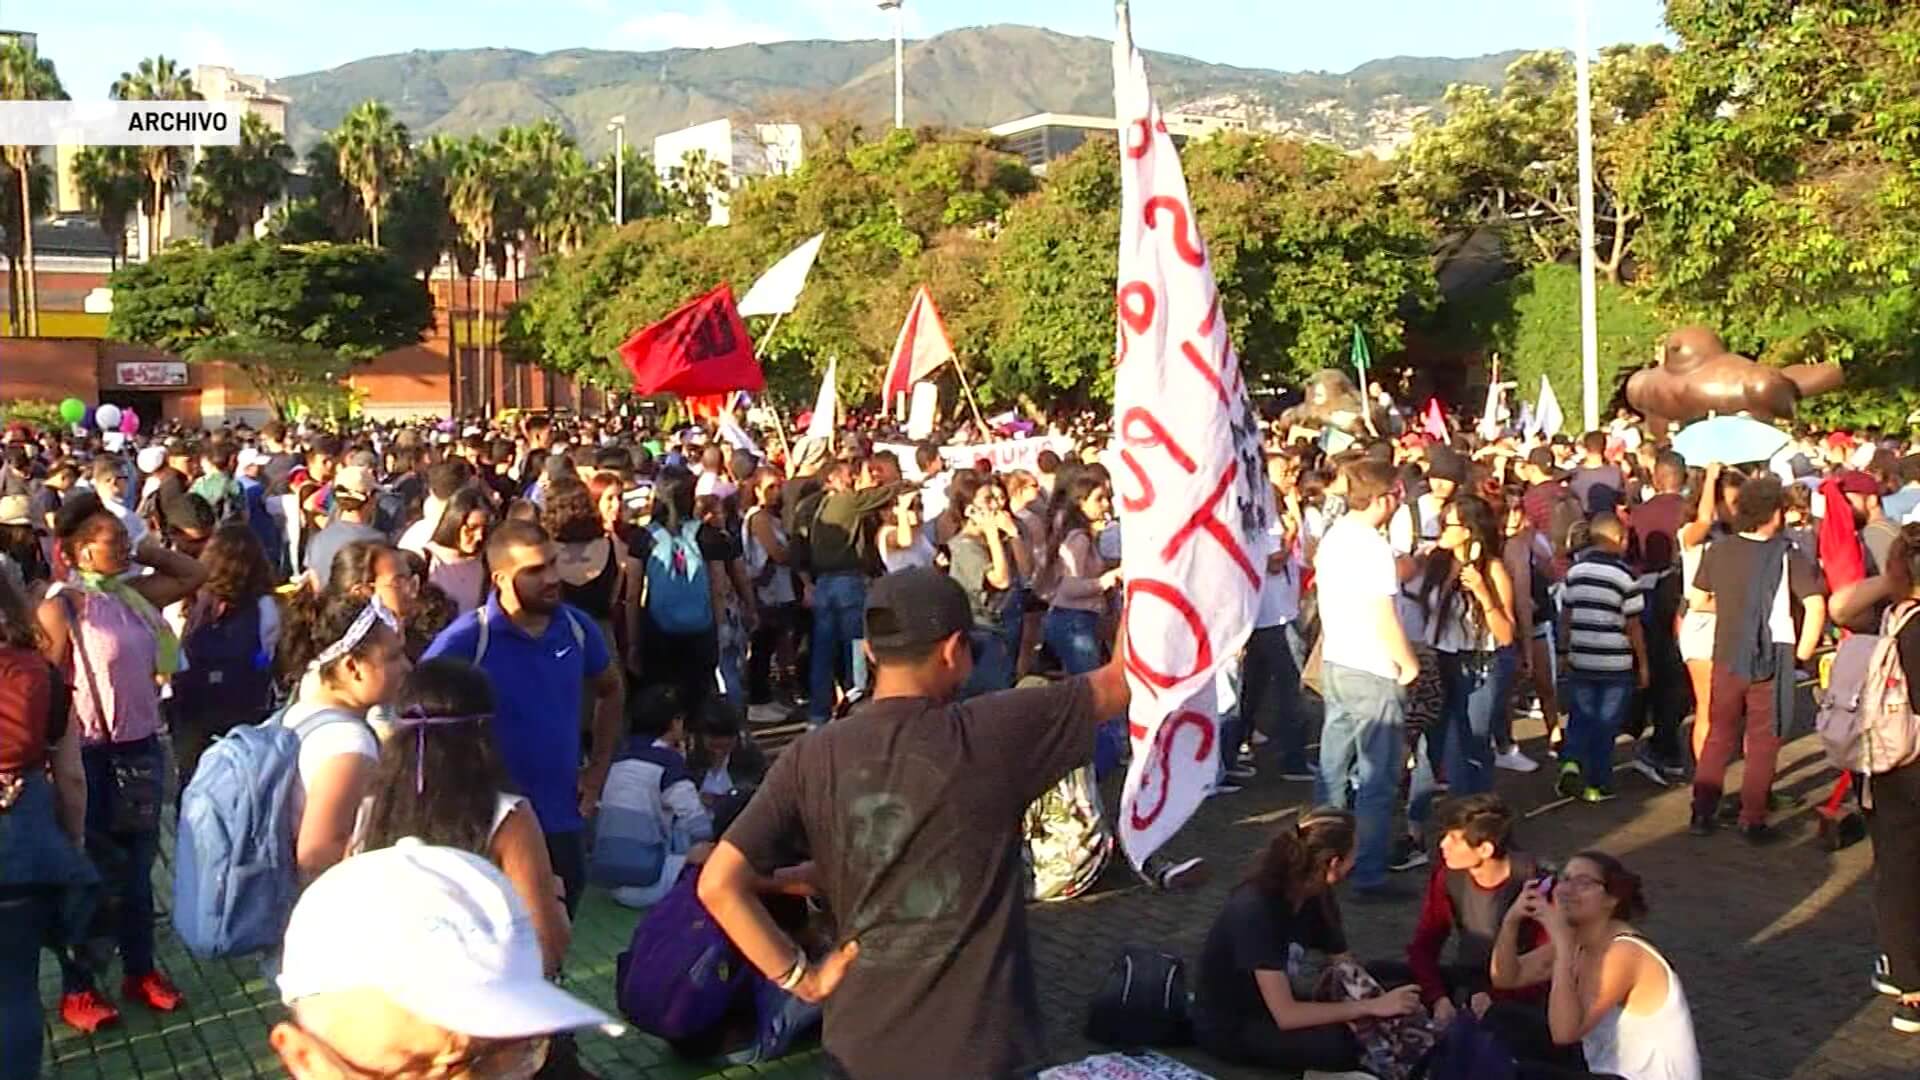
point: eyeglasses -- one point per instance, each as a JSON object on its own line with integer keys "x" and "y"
{"x": 1580, "y": 881}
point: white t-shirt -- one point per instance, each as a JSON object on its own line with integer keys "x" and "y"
{"x": 896, "y": 559}
{"x": 1355, "y": 565}
{"x": 1280, "y": 593}
{"x": 347, "y": 735}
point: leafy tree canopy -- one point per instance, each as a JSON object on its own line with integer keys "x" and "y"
{"x": 290, "y": 316}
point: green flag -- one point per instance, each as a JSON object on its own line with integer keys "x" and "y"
{"x": 1360, "y": 357}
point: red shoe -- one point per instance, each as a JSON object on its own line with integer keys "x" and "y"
{"x": 87, "y": 1012}
{"x": 153, "y": 990}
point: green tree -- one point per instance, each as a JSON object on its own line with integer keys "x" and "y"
{"x": 26, "y": 76}
{"x": 13, "y": 226}
{"x": 1508, "y": 160}
{"x": 1780, "y": 180}
{"x": 293, "y": 318}
{"x": 479, "y": 182}
{"x": 1533, "y": 321}
{"x": 372, "y": 149}
{"x": 921, "y": 207}
{"x": 110, "y": 184}
{"x": 158, "y": 79}
{"x": 646, "y": 195}
{"x": 573, "y": 208}
{"x": 233, "y": 185}
{"x": 1053, "y": 266}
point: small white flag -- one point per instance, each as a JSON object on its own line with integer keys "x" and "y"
{"x": 1547, "y": 417}
{"x": 778, "y": 290}
{"x": 826, "y": 404}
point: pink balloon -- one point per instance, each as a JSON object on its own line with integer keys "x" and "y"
{"x": 129, "y": 422}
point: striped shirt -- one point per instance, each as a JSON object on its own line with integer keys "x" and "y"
{"x": 1600, "y": 595}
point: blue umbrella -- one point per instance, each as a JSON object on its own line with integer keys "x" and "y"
{"x": 1729, "y": 440}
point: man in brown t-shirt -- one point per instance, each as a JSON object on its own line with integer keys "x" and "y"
{"x": 910, "y": 809}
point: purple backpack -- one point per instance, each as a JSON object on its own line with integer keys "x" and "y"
{"x": 680, "y": 973}
{"x": 1468, "y": 1051}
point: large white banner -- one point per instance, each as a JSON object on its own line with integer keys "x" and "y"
{"x": 1005, "y": 456}
{"x": 1192, "y": 490}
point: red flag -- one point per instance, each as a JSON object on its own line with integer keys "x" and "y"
{"x": 701, "y": 348}
{"x": 923, "y": 346}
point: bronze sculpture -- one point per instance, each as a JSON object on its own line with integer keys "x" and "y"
{"x": 1697, "y": 376}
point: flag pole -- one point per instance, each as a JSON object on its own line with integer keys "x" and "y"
{"x": 960, "y": 369}
{"x": 1583, "y": 132}
{"x": 760, "y": 352}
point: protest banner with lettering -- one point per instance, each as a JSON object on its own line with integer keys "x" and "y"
{"x": 1192, "y": 489}
{"x": 1005, "y": 456}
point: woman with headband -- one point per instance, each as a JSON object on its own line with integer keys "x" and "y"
{"x": 440, "y": 778}
{"x": 361, "y": 667}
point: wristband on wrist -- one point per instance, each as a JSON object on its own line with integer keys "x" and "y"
{"x": 795, "y": 973}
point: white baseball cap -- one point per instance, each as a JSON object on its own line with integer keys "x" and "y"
{"x": 249, "y": 457}
{"x": 439, "y": 931}
{"x": 152, "y": 459}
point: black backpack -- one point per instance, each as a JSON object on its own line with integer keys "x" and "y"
{"x": 1143, "y": 1002}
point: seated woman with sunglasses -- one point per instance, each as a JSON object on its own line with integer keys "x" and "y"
{"x": 1612, "y": 991}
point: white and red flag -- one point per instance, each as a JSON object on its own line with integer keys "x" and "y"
{"x": 922, "y": 347}
{"x": 1191, "y": 485}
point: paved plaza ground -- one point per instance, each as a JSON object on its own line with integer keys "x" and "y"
{"x": 1774, "y": 945}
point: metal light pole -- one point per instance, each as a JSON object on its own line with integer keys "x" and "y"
{"x": 899, "y": 60}
{"x": 618, "y": 125}
{"x": 1589, "y": 317}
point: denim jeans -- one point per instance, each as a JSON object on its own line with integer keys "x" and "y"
{"x": 1074, "y": 637}
{"x": 992, "y": 662}
{"x": 125, "y": 861}
{"x": 1476, "y": 687}
{"x": 27, "y": 915}
{"x": 1596, "y": 707}
{"x": 839, "y": 613}
{"x": 1362, "y": 745}
{"x": 1270, "y": 695}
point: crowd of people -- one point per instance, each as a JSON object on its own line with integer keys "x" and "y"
{"x": 519, "y": 663}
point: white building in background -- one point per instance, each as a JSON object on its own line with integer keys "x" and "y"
{"x": 217, "y": 83}
{"x": 1044, "y": 136}
{"x": 742, "y": 149}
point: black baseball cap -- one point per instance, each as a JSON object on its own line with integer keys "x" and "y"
{"x": 915, "y": 608}
{"x": 1445, "y": 463}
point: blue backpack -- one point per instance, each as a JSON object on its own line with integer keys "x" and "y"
{"x": 677, "y": 598}
{"x": 234, "y": 874}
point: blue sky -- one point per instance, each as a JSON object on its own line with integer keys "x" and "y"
{"x": 92, "y": 42}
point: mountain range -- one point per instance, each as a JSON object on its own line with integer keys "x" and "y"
{"x": 973, "y": 77}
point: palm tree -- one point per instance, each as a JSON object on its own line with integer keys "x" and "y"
{"x": 110, "y": 184}
{"x": 158, "y": 79}
{"x": 477, "y": 190}
{"x": 26, "y": 76}
{"x": 233, "y": 185}
{"x": 437, "y": 167}
{"x": 573, "y": 209}
{"x": 373, "y": 151}
{"x": 13, "y": 227}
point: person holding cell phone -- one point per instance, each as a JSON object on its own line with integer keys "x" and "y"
{"x": 1612, "y": 992}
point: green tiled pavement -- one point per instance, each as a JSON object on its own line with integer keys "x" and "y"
{"x": 221, "y": 1032}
